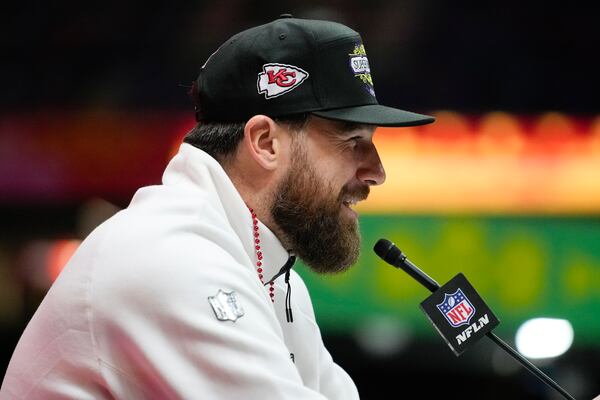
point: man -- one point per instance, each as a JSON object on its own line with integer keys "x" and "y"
{"x": 189, "y": 293}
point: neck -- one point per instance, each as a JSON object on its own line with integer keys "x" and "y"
{"x": 257, "y": 193}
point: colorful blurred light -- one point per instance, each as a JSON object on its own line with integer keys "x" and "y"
{"x": 59, "y": 253}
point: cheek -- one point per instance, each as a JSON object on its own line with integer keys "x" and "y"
{"x": 333, "y": 184}
{"x": 333, "y": 168}
{"x": 337, "y": 170}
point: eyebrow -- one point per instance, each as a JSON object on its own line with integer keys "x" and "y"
{"x": 346, "y": 127}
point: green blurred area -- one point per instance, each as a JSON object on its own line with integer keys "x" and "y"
{"x": 523, "y": 267}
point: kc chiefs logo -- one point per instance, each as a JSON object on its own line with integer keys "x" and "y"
{"x": 278, "y": 79}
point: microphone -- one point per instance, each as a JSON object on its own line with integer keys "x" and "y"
{"x": 456, "y": 309}
{"x": 393, "y": 256}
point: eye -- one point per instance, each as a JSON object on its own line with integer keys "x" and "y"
{"x": 352, "y": 142}
{"x": 355, "y": 144}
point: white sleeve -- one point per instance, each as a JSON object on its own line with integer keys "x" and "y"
{"x": 157, "y": 336}
{"x": 334, "y": 382}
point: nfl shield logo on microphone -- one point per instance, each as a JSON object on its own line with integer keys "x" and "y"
{"x": 457, "y": 308}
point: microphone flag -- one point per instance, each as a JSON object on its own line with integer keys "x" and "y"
{"x": 459, "y": 314}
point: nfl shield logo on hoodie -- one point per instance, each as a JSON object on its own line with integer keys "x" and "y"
{"x": 226, "y": 306}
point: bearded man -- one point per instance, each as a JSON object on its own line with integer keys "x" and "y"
{"x": 187, "y": 293}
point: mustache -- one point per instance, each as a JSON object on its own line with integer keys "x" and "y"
{"x": 358, "y": 192}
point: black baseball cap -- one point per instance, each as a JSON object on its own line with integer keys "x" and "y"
{"x": 291, "y": 66}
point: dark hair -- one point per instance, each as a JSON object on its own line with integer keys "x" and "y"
{"x": 220, "y": 139}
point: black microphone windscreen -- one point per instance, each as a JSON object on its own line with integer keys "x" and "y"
{"x": 389, "y": 252}
{"x": 382, "y": 247}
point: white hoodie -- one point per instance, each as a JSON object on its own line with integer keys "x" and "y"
{"x": 130, "y": 317}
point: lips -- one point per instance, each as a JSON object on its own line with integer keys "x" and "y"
{"x": 350, "y": 202}
{"x": 351, "y": 196}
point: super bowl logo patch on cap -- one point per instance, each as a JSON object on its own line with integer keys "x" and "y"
{"x": 277, "y": 79}
{"x": 359, "y": 63}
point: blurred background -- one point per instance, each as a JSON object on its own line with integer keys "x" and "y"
{"x": 504, "y": 187}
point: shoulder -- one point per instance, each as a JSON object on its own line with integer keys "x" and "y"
{"x": 151, "y": 254}
{"x": 167, "y": 282}
{"x": 154, "y": 257}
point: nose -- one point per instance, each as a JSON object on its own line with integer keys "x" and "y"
{"x": 370, "y": 168}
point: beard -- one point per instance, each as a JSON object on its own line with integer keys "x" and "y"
{"x": 308, "y": 213}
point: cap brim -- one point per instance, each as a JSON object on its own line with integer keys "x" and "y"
{"x": 376, "y": 114}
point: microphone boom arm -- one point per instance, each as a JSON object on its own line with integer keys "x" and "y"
{"x": 393, "y": 256}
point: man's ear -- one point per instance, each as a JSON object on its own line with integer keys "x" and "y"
{"x": 265, "y": 141}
